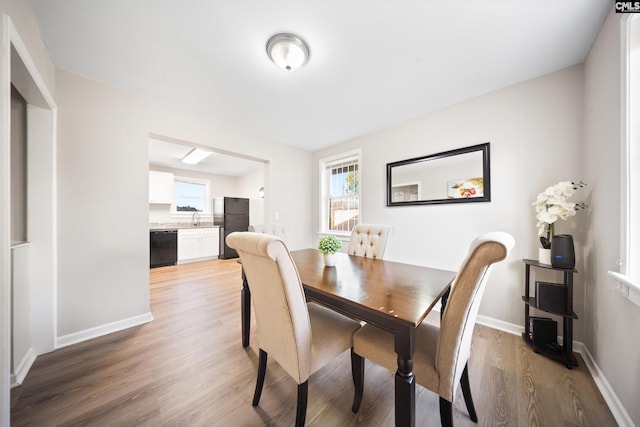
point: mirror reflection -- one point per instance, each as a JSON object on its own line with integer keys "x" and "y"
{"x": 460, "y": 175}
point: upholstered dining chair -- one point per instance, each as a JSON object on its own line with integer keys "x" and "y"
{"x": 301, "y": 337}
{"x": 442, "y": 352}
{"x": 270, "y": 228}
{"x": 369, "y": 240}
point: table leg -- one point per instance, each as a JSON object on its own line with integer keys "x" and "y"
{"x": 245, "y": 309}
{"x": 405, "y": 384}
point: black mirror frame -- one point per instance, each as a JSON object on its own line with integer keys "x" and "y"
{"x": 486, "y": 175}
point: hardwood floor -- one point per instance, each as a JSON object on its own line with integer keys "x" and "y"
{"x": 188, "y": 368}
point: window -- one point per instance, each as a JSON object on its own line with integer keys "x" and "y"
{"x": 340, "y": 193}
{"x": 628, "y": 278}
{"x": 631, "y": 158}
{"x": 630, "y": 161}
{"x": 191, "y": 195}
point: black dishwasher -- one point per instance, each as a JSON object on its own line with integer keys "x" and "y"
{"x": 163, "y": 247}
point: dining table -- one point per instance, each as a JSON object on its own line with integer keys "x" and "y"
{"x": 391, "y": 295}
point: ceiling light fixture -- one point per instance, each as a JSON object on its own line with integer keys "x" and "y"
{"x": 287, "y": 51}
{"x": 195, "y": 156}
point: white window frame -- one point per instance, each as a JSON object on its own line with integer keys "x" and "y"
{"x": 628, "y": 278}
{"x": 324, "y": 183}
{"x": 206, "y": 212}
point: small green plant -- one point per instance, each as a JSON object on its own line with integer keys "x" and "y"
{"x": 329, "y": 245}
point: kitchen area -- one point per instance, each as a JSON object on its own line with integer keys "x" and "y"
{"x": 195, "y": 204}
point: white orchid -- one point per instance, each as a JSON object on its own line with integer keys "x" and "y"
{"x": 552, "y": 205}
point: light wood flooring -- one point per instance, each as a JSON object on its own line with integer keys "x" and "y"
{"x": 188, "y": 368}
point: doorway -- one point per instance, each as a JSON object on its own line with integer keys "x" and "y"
{"x": 29, "y": 203}
{"x": 190, "y": 189}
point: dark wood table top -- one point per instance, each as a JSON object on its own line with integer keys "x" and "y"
{"x": 381, "y": 292}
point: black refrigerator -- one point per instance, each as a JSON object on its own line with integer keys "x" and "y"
{"x": 231, "y": 214}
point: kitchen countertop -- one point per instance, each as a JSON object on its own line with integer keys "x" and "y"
{"x": 180, "y": 225}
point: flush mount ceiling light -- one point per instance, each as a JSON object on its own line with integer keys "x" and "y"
{"x": 195, "y": 156}
{"x": 287, "y": 51}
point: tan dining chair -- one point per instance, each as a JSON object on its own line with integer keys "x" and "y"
{"x": 369, "y": 240}
{"x": 442, "y": 352}
{"x": 272, "y": 228}
{"x": 301, "y": 337}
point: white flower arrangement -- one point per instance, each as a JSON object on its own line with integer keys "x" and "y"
{"x": 552, "y": 205}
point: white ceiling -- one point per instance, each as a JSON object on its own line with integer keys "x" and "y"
{"x": 170, "y": 154}
{"x": 374, "y": 63}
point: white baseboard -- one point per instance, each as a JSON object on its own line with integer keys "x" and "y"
{"x": 23, "y": 368}
{"x": 192, "y": 260}
{"x": 615, "y": 406}
{"x": 99, "y": 331}
{"x": 500, "y": 325}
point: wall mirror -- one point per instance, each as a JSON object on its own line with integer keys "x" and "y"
{"x": 455, "y": 176}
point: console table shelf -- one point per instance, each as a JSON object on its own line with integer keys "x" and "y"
{"x": 532, "y": 303}
{"x": 562, "y": 353}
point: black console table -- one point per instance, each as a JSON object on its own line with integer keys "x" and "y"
{"x": 564, "y": 309}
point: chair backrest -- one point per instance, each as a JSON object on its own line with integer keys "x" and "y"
{"x": 270, "y": 228}
{"x": 282, "y": 316}
{"x": 369, "y": 240}
{"x": 459, "y": 318}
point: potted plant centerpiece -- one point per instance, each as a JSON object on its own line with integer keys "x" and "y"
{"x": 329, "y": 245}
{"x": 552, "y": 204}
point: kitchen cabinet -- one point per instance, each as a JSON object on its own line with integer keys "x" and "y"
{"x": 160, "y": 187}
{"x": 198, "y": 244}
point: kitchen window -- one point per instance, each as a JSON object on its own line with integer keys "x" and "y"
{"x": 340, "y": 193}
{"x": 191, "y": 195}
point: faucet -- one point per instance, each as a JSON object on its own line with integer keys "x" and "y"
{"x": 195, "y": 219}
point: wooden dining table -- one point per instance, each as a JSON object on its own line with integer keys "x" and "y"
{"x": 391, "y": 295}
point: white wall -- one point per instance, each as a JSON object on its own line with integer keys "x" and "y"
{"x": 25, "y": 22}
{"x": 611, "y": 321}
{"x": 103, "y": 194}
{"x": 248, "y": 186}
{"x": 535, "y": 133}
{"x": 21, "y": 342}
{"x": 5, "y": 219}
{"x": 18, "y": 22}
{"x": 220, "y": 185}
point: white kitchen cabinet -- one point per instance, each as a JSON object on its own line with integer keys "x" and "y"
{"x": 188, "y": 244}
{"x": 210, "y": 242}
{"x": 197, "y": 244}
{"x": 160, "y": 187}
